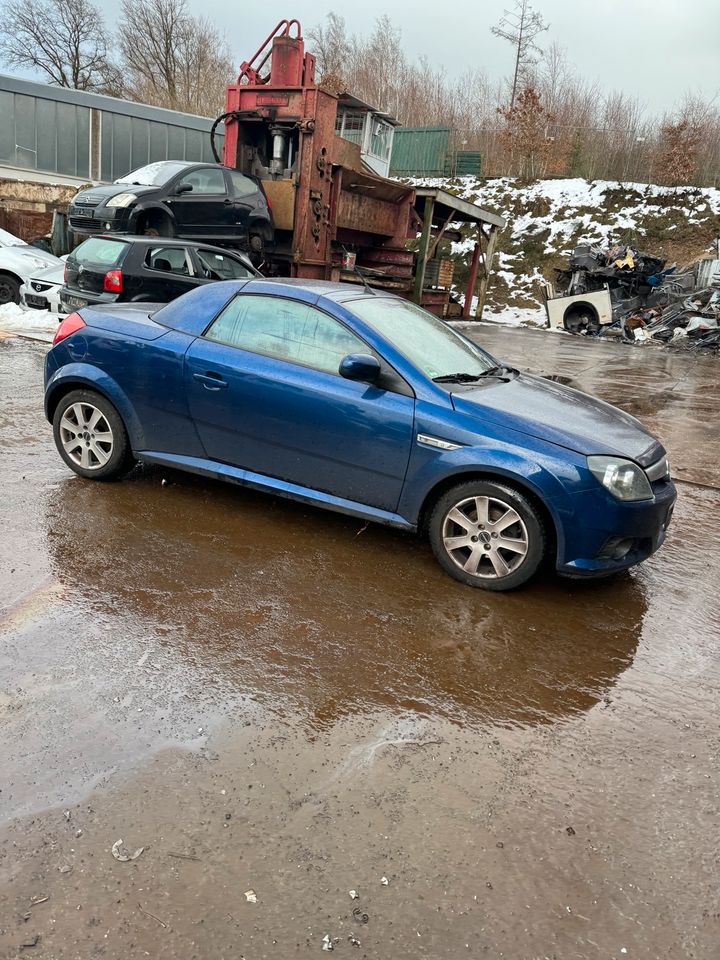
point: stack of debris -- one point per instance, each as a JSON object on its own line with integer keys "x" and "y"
{"x": 625, "y": 293}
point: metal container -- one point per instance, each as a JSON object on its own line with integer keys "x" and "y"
{"x": 420, "y": 151}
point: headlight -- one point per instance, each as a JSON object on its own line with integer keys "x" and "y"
{"x": 121, "y": 200}
{"x": 623, "y": 478}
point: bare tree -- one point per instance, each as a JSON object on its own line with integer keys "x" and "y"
{"x": 520, "y": 27}
{"x": 172, "y": 59}
{"x": 329, "y": 43}
{"x": 64, "y": 40}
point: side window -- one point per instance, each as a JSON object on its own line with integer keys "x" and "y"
{"x": 216, "y": 266}
{"x": 242, "y": 185}
{"x": 208, "y": 180}
{"x": 168, "y": 259}
{"x": 287, "y": 330}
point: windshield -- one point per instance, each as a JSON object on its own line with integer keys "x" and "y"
{"x": 426, "y": 341}
{"x": 8, "y": 240}
{"x": 154, "y": 174}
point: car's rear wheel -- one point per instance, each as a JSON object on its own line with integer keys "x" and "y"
{"x": 487, "y": 535}
{"x": 91, "y": 437}
{"x": 9, "y": 290}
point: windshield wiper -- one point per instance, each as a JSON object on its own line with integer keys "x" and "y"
{"x": 457, "y": 378}
{"x": 469, "y": 377}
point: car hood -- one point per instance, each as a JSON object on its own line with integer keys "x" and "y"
{"x": 26, "y": 261}
{"x": 99, "y": 195}
{"x": 542, "y": 408}
{"x": 52, "y": 274}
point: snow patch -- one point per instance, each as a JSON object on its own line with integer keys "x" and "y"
{"x": 39, "y": 324}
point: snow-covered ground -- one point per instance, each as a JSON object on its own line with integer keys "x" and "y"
{"x": 548, "y": 218}
{"x": 21, "y": 321}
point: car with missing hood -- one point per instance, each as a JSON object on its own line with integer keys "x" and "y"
{"x": 19, "y": 263}
{"x": 178, "y": 198}
{"x": 362, "y": 403}
{"x": 42, "y": 290}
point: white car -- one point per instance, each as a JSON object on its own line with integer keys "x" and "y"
{"x": 19, "y": 263}
{"x": 42, "y": 290}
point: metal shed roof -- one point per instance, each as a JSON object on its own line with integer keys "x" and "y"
{"x": 445, "y": 204}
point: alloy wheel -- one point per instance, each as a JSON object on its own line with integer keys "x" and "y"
{"x": 86, "y": 436}
{"x": 485, "y": 537}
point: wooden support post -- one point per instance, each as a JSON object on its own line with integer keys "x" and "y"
{"x": 422, "y": 256}
{"x": 439, "y": 235}
{"x": 472, "y": 275}
{"x": 489, "y": 254}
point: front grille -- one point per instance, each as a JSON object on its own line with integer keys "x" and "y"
{"x": 85, "y": 224}
{"x": 87, "y": 201}
{"x": 40, "y": 287}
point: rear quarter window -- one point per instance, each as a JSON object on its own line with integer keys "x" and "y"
{"x": 107, "y": 253}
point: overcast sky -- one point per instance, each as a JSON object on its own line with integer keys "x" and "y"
{"x": 658, "y": 49}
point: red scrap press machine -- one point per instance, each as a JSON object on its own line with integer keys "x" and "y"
{"x": 334, "y": 216}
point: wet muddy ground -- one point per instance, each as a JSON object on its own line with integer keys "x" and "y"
{"x": 270, "y": 698}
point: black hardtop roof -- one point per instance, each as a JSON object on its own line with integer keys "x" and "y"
{"x": 330, "y": 289}
{"x": 165, "y": 242}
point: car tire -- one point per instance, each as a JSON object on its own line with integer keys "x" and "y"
{"x": 9, "y": 289}
{"x": 91, "y": 437}
{"x": 466, "y": 525}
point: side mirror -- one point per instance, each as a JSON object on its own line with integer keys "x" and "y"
{"x": 184, "y": 188}
{"x": 360, "y": 366}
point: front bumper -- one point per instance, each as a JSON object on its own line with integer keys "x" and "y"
{"x": 94, "y": 220}
{"x": 602, "y": 526}
{"x": 48, "y": 298}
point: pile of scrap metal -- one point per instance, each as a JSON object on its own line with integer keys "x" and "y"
{"x": 690, "y": 319}
{"x": 621, "y": 292}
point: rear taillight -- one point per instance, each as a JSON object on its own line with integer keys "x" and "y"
{"x": 65, "y": 273}
{"x": 71, "y": 323}
{"x": 113, "y": 281}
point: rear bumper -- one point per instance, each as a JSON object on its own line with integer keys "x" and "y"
{"x": 88, "y": 298}
{"x": 628, "y": 534}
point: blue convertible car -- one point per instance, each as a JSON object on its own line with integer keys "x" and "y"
{"x": 363, "y": 403}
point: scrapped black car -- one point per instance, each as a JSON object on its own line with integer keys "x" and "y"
{"x": 176, "y": 198}
{"x": 145, "y": 270}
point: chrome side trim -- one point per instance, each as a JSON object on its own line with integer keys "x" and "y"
{"x": 436, "y": 442}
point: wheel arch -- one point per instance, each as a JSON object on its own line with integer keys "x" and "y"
{"x": 92, "y": 379}
{"x": 263, "y": 227}
{"x": 553, "y": 528}
{"x": 152, "y": 208}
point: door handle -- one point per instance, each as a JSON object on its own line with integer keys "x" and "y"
{"x": 227, "y": 201}
{"x": 211, "y": 381}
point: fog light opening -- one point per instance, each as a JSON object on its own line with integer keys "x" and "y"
{"x": 616, "y": 548}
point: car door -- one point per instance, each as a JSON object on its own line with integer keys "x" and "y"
{"x": 204, "y": 210}
{"x": 166, "y": 273}
{"x": 265, "y": 395}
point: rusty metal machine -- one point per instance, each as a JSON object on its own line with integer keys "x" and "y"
{"x": 334, "y": 216}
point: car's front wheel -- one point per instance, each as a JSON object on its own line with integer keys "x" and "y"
{"x": 9, "y": 289}
{"x": 487, "y": 535}
{"x": 91, "y": 437}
